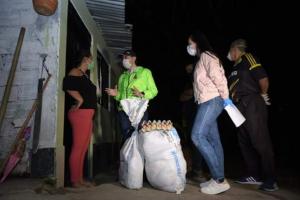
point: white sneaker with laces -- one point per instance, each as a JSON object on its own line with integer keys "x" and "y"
{"x": 215, "y": 188}
{"x": 206, "y": 183}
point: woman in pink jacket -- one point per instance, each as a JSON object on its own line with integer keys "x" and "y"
{"x": 211, "y": 95}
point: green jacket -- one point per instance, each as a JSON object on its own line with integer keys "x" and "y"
{"x": 141, "y": 78}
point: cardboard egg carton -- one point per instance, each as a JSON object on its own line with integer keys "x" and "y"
{"x": 154, "y": 125}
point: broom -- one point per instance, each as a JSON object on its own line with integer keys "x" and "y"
{"x": 17, "y": 150}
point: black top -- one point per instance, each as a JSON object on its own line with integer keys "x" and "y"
{"x": 85, "y": 87}
{"x": 244, "y": 79}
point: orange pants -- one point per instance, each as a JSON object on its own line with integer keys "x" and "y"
{"x": 82, "y": 124}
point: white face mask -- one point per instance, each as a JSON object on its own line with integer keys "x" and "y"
{"x": 126, "y": 63}
{"x": 229, "y": 56}
{"x": 192, "y": 51}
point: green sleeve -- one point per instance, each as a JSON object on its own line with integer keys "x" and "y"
{"x": 151, "y": 90}
{"x": 118, "y": 97}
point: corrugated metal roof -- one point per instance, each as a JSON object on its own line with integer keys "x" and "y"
{"x": 110, "y": 17}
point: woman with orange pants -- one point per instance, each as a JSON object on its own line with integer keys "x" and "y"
{"x": 78, "y": 85}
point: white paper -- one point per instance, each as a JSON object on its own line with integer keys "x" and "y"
{"x": 235, "y": 115}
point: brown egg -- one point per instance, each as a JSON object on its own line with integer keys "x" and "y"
{"x": 154, "y": 125}
{"x": 148, "y": 128}
{"x": 158, "y": 125}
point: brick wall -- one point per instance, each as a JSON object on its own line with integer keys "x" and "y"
{"x": 41, "y": 37}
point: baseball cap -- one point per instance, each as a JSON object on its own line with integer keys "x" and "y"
{"x": 129, "y": 53}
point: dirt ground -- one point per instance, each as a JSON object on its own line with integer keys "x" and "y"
{"x": 35, "y": 189}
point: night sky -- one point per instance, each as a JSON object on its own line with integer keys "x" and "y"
{"x": 160, "y": 32}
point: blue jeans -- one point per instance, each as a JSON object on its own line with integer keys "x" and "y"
{"x": 205, "y": 136}
{"x": 125, "y": 123}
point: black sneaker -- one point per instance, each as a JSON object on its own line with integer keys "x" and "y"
{"x": 269, "y": 186}
{"x": 249, "y": 180}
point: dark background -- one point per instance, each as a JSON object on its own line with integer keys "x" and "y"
{"x": 160, "y": 33}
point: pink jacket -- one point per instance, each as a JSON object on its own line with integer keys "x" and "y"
{"x": 209, "y": 79}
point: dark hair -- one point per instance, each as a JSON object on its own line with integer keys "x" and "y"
{"x": 81, "y": 54}
{"x": 203, "y": 44}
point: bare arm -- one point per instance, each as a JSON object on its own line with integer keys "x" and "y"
{"x": 76, "y": 95}
{"x": 264, "y": 85}
{"x": 73, "y": 93}
{"x": 112, "y": 92}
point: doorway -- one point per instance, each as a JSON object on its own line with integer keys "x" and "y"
{"x": 78, "y": 38}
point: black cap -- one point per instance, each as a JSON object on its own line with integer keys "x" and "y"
{"x": 129, "y": 53}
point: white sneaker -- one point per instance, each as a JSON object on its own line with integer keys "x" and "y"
{"x": 215, "y": 188}
{"x": 206, "y": 183}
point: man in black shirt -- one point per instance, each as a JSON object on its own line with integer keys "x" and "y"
{"x": 248, "y": 87}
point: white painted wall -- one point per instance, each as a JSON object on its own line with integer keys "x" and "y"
{"x": 41, "y": 37}
{"x": 44, "y": 35}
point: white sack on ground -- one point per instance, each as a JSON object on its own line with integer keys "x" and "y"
{"x": 131, "y": 164}
{"x": 131, "y": 160}
{"x": 164, "y": 162}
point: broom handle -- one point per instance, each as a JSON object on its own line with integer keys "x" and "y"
{"x": 11, "y": 76}
{"x": 24, "y": 125}
{"x": 32, "y": 110}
